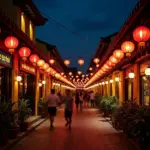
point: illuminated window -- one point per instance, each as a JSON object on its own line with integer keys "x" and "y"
{"x": 31, "y": 30}
{"x": 23, "y": 25}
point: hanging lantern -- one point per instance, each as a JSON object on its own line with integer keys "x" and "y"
{"x": 90, "y": 68}
{"x": 106, "y": 67}
{"x": 97, "y": 66}
{"x": 118, "y": 54}
{"x": 40, "y": 63}
{"x": 128, "y": 47}
{"x": 11, "y": 43}
{"x": 109, "y": 63}
{"x": 117, "y": 79}
{"x": 96, "y": 60}
{"x": 51, "y": 61}
{"x": 34, "y": 59}
{"x": 113, "y": 60}
{"x": 57, "y": 75}
{"x": 141, "y": 35}
{"x": 62, "y": 73}
{"x": 48, "y": 70}
{"x": 80, "y": 62}
{"x": 45, "y": 66}
{"x": 67, "y": 62}
{"x": 79, "y": 72}
{"x": 111, "y": 81}
{"x": 70, "y": 73}
{"x": 91, "y": 74}
{"x": 24, "y": 52}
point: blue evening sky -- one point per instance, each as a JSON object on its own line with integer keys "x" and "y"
{"x": 90, "y": 19}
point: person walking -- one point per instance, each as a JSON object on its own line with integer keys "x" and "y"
{"x": 53, "y": 102}
{"x": 68, "y": 100}
{"x": 81, "y": 101}
{"x": 77, "y": 101}
{"x": 92, "y": 96}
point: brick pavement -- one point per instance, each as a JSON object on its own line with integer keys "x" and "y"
{"x": 89, "y": 132}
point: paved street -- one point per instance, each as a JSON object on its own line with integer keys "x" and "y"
{"x": 89, "y": 132}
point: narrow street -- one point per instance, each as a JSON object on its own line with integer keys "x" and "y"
{"x": 89, "y": 132}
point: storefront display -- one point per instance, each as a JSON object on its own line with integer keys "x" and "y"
{"x": 5, "y": 75}
{"x": 27, "y": 85}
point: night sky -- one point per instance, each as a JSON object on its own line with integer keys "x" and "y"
{"x": 87, "y": 21}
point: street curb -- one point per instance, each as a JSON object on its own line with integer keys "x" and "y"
{"x": 22, "y": 135}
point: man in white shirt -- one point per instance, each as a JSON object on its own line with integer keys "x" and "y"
{"x": 53, "y": 102}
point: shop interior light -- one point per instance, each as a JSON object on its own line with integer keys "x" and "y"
{"x": 131, "y": 75}
{"x": 106, "y": 82}
{"x": 147, "y": 71}
{"x": 40, "y": 84}
{"x": 117, "y": 79}
{"x": 18, "y": 78}
{"x": 43, "y": 82}
{"x": 111, "y": 81}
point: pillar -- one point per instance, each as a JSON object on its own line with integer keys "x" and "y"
{"x": 44, "y": 87}
{"x": 37, "y": 91}
{"x": 48, "y": 84}
{"x": 113, "y": 85}
{"x": 108, "y": 88}
{"x": 14, "y": 75}
{"x": 136, "y": 83}
{"x": 121, "y": 87}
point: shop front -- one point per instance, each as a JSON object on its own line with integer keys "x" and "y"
{"x": 27, "y": 87}
{"x": 5, "y": 75}
{"x": 144, "y": 84}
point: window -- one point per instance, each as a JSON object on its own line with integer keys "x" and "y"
{"x": 31, "y": 30}
{"x": 23, "y": 25}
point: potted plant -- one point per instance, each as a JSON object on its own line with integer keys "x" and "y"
{"x": 13, "y": 128}
{"x": 4, "y": 122}
{"x": 24, "y": 111}
{"x": 42, "y": 107}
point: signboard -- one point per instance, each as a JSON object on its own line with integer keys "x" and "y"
{"x": 27, "y": 68}
{"x": 5, "y": 58}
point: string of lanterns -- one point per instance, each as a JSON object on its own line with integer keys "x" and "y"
{"x": 141, "y": 35}
{"x": 12, "y": 43}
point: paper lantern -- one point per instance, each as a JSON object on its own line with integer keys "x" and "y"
{"x": 40, "y": 62}
{"x": 79, "y": 72}
{"x": 113, "y": 60}
{"x": 97, "y": 66}
{"x": 96, "y": 60}
{"x": 141, "y": 34}
{"x": 80, "y": 62}
{"x": 45, "y": 66}
{"x": 90, "y": 68}
{"x": 51, "y": 61}
{"x": 109, "y": 63}
{"x": 67, "y": 62}
{"x": 11, "y": 43}
{"x": 119, "y": 54}
{"x": 128, "y": 47}
{"x": 24, "y": 53}
{"x": 34, "y": 59}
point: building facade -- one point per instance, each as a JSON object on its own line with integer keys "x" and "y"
{"x": 21, "y": 72}
{"x": 126, "y": 76}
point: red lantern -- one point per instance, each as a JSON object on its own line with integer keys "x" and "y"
{"x": 11, "y": 43}
{"x": 45, "y": 66}
{"x": 40, "y": 63}
{"x": 67, "y": 62}
{"x": 113, "y": 60}
{"x": 96, "y": 60}
{"x": 51, "y": 61}
{"x": 118, "y": 54}
{"x": 80, "y": 62}
{"x": 106, "y": 67}
{"x": 24, "y": 52}
{"x": 141, "y": 35}
{"x": 34, "y": 59}
{"x": 109, "y": 63}
{"x": 127, "y": 47}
